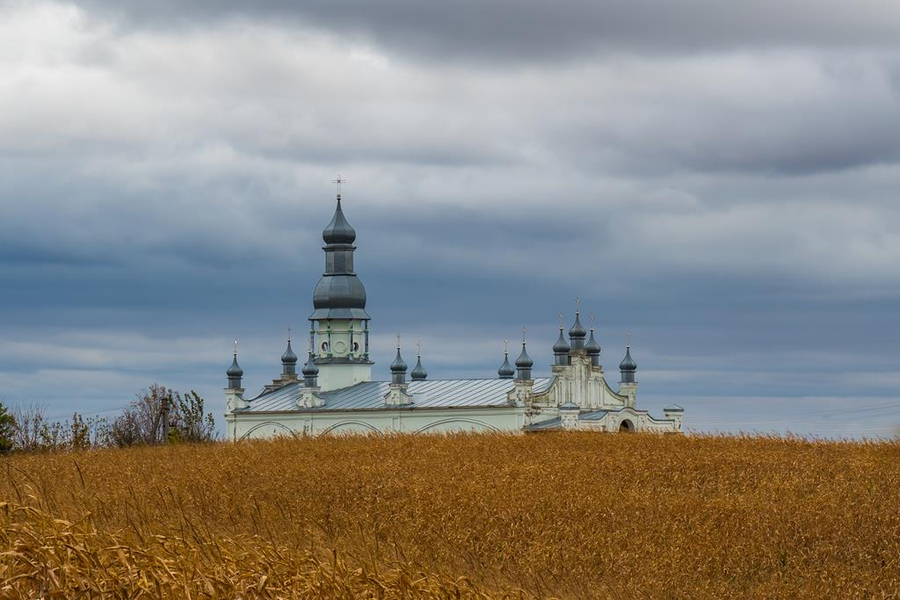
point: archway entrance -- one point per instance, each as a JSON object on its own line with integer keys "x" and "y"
{"x": 626, "y": 426}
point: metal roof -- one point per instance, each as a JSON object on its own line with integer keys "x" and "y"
{"x": 369, "y": 395}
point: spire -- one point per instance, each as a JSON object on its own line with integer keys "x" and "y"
{"x": 398, "y": 367}
{"x": 628, "y": 367}
{"x": 593, "y": 348}
{"x": 577, "y": 332}
{"x": 523, "y": 362}
{"x": 506, "y": 371}
{"x": 339, "y": 294}
{"x": 289, "y": 359}
{"x": 234, "y": 372}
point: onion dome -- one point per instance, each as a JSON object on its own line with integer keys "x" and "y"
{"x": 310, "y": 369}
{"x": 628, "y": 366}
{"x": 398, "y": 369}
{"x": 593, "y": 349}
{"x": 524, "y": 361}
{"x": 234, "y": 372}
{"x": 339, "y": 230}
{"x": 419, "y": 373}
{"x": 289, "y": 360}
{"x": 506, "y": 371}
{"x": 577, "y": 333}
{"x": 561, "y": 346}
{"x": 561, "y": 350}
{"x": 523, "y": 365}
{"x": 310, "y": 372}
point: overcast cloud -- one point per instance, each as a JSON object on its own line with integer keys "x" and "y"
{"x": 719, "y": 178}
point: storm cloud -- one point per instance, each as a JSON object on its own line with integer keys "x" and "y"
{"x": 720, "y": 179}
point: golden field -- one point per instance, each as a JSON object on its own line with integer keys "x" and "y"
{"x": 566, "y": 515}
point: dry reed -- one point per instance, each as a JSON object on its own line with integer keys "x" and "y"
{"x": 460, "y": 516}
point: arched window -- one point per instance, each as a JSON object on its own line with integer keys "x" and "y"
{"x": 626, "y": 426}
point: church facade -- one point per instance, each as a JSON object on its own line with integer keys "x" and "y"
{"x": 334, "y": 391}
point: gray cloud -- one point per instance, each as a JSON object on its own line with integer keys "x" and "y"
{"x": 514, "y": 31}
{"x": 729, "y": 196}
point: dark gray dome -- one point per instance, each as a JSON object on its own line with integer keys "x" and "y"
{"x": 561, "y": 346}
{"x": 577, "y": 332}
{"x": 310, "y": 369}
{"x": 340, "y": 292}
{"x": 628, "y": 363}
{"x": 524, "y": 361}
{"x": 289, "y": 358}
{"x": 592, "y": 346}
{"x": 506, "y": 371}
{"x": 235, "y": 369}
{"x": 339, "y": 230}
{"x": 398, "y": 366}
{"x": 419, "y": 373}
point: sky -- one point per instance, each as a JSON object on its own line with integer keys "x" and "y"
{"x": 720, "y": 179}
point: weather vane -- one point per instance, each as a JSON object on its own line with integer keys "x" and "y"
{"x": 524, "y": 331}
{"x": 593, "y": 321}
{"x": 418, "y": 347}
{"x": 338, "y": 183}
{"x": 399, "y": 335}
{"x": 505, "y": 346}
{"x": 235, "y": 347}
{"x": 289, "y": 333}
{"x": 628, "y": 338}
{"x": 560, "y": 317}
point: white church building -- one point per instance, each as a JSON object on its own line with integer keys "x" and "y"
{"x": 335, "y": 392}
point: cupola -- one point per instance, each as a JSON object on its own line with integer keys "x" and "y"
{"x": 234, "y": 373}
{"x": 628, "y": 367}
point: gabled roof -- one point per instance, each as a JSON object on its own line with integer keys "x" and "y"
{"x": 369, "y": 395}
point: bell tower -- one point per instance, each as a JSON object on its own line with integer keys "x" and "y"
{"x": 339, "y": 325}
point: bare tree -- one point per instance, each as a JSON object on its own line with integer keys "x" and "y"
{"x": 140, "y": 422}
{"x": 30, "y": 425}
{"x": 189, "y": 422}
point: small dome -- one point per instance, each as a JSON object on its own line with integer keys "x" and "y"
{"x": 398, "y": 366}
{"x": 592, "y": 346}
{"x": 339, "y": 230}
{"x": 289, "y": 358}
{"x": 235, "y": 369}
{"x": 628, "y": 363}
{"x": 419, "y": 373}
{"x": 310, "y": 369}
{"x": 506, "y": 371}
{"x": 577, "y": 332}
{"x": 524, "y": 361}
{"x": 561, "y": 346}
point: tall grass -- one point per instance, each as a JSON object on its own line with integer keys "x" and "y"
{"x": 569, "y": 515}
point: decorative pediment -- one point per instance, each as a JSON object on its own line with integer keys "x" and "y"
{"x": 581, "y": 384}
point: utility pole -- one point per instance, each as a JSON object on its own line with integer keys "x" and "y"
{"x": 164, "y": 410}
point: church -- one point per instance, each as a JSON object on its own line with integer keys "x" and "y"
{"x": 335, "y": 392}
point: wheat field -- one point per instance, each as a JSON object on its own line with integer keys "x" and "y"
{"x": 567, "y": 515}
